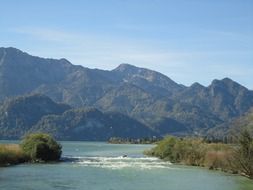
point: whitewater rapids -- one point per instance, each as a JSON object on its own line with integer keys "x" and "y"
{"x": 120, "y": 162}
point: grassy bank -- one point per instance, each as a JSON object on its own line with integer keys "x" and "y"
{"x": 193, "y": 152}
{"x": 11, "y": 154}
{"x": 236, "y": 158}
{"x": 38, "y": 147}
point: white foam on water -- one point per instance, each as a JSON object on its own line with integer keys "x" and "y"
{"x": 122, "y": 162}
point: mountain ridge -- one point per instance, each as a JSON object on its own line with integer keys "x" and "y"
{"x": 142, "y": 94}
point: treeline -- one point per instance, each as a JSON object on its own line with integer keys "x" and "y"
{"x": 234, "y": 158}
{"x": 33, "y": 148}
{"x": 147, "y": 140}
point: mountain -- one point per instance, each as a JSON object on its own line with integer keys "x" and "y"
{"x": 147, "y": 96}
{"x": 75, "y": 85}
{"x": 197, "y": 108}
{"x": 34, "y": 113}
{"x": 21, "y": 73}
{"x": 153, "y": 82}
{"x": 225, "y": 98}
{"x": 19, "y": 114}
{"x": 218, "y": 103}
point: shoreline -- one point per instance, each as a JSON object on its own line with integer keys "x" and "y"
{"x": 212, "y": 156}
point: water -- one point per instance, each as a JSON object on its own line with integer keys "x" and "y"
{"x": 101, "y": 166}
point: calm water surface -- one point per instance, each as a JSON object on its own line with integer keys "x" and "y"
{"x": 101, "y": 166}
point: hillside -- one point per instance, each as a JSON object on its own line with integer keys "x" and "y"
{"x": 34, "y": 113}
{"x": 91, "y": 124}
{"x": 231, "y": 129}
{"x": 19, "y": 114}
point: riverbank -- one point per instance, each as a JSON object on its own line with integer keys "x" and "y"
{"x": 230, "y": 158}
{"x": 99, "y": 163}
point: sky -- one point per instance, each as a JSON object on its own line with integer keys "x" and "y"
{"x": 187, "y": 40}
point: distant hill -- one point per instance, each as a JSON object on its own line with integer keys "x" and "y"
{"x": 34, "y": 113}
{"x": 149, "y": 97}
{"x": 233, "y": 127}
{"x": 91, "y": 124}
{"x": 19, "y": 114}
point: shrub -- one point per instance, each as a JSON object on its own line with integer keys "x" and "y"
{"x": 244, "y": 154}
{"x": 187, "y": 151}
{"x": 164, "y": 149}
{"x": 194, "y": 152}
{"x": 41, "y": 147}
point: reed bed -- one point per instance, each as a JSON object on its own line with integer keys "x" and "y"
{"x": 11, "y": 154}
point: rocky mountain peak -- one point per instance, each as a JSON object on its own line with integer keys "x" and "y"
{"x": 124, "y": 67}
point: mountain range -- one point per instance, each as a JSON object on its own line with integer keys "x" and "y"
{"x": 147, "y": 97}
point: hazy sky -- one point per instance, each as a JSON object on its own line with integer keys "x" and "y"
{"x": 188, "y": 40}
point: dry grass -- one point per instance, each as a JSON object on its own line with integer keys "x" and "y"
{"x": 11, "y": 154}
{"x": 10, "y": 147}
{"x": 218, "y": 160}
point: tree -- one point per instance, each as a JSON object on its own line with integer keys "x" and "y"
{"x": 244, "y": 154}
{"x": 41, "y": 147}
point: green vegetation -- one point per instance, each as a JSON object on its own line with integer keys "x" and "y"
{"x": 41, "y": 147}
{"x": 11, "y": 154}
{"x": 236, "y": 158}
{"x": 34, "y": 148}
{"x": 191, "y": 152}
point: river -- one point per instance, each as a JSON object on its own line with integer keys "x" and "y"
{"x": 102, "y": 166}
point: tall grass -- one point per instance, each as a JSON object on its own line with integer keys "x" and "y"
{"x": 11, "y": 154}
{"x": 196, "y": 152}
{"x": 219, "y": 156}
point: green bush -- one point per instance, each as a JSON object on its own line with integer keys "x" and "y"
{"x": 187, "y": 151}
{"x": 193, "y": 151}
{"x": 41, "y": 147}
{"x": 237, "y": 158}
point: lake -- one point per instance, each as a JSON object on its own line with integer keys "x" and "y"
{"x": 102, "y": 166}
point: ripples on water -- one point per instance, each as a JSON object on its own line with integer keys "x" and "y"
{"x": 119, "y": 162}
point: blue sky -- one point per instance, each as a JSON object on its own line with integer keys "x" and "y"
{"x": 187, "y": 40}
